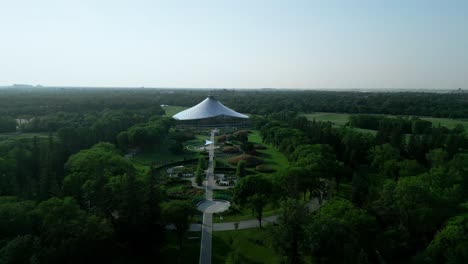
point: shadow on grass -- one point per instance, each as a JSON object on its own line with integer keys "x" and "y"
{"x": 221, "y": 249}
{"x": 243, "y": 246}
{"x": 189, "y": 253}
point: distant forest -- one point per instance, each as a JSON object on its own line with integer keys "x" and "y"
{"x": 69, "y": 193}
{"x": 42, "y": 101}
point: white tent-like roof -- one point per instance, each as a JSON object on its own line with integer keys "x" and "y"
{"x": 210, "y": 107}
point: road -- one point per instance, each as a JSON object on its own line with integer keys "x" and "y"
{"x": 207, "y": 226}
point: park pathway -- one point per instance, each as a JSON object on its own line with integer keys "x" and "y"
{"x": 207, "y": 226}
{"x": 313, "y": 205}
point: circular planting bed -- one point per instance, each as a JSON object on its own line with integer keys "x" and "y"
{"x": 197, "y": 148}
{"x": 215, "y": 206}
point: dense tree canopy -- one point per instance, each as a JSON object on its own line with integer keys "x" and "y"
{"x": 386, "y": 187}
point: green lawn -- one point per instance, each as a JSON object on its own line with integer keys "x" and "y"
{"x": 270, "y": 155}
{"x": 18, "y": 135}
{"x": 190, "y": 249}
{"x": 368, "y": 131}
{"x": 340, "y": 119}
{"x": 246, "y": 214}
{"x": 159, "y": 155}
{"x": 253, "y": 244}
{"x": 335, "y": 118}
{"x": 172, "y": 110}
{"x": 447, "y": 122}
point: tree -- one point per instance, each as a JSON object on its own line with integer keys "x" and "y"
{"x": 437, "y": 157}
{"x": 179, "y": 213}
{"x": 419, "y": 198}
{"x": 146, "y": 135}
{"x": 382, "y": 154}
{"x": 153, "y": 217}
{"x": 134, "y": 215}
{"x": 67, "y": 232}
{"x": 48, "y": 184}
{"x": 199, "y": 176}
{"x": 240, "y": 169}
{"x": 7, "y": 124}
{"x": 362, "y": 186}
{"x": 199, "y": 173}
{"x": 247, "y": 147}
{"x": 90, "y": 170}
{"x": 288, "y": 235}
{"x": 339, "y": 220}
{"x": 294, "y": 181}
{"x": 22, "y": 249}
{"x": 450, "y": 244}
{"x": 16, "y": 217}
{"x": 410, "y": 168}
{"x": 357, "y": 147}
{"x": 202, "y": 163}
{"x": 319, "y": 160}
{"x": 122, "y": 140}
{"x": 255, "y": 192}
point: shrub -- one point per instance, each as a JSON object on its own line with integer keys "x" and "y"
{"x": 222, "y": 196}
{"x": 241, "y": 135}
{"x": 230, "y": 149}
{"x": 250, "y": 161}
{"x": 221, "y": 138}
{"x": 259, "y": 147}
{"x": 197, "y": 199}
{"x": 233, "y": 210}
{"x": 264, "y": 169}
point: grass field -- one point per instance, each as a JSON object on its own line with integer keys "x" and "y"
{"x": 340, "y": 119}
{"x": 246, "y": 214}
{"x": 271, "y": 156}
{"x": 447, "y": 122}
{"x": 17, "y": 135}
{"x": 335, "y": 118}
{"x": 253, "y": 244}
{"x": 172, "y": 110}
{"x": 161, "y": 155}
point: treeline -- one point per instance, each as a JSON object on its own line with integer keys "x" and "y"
{"x": 66, "y": 197}
{"x": 145, "y": 135}
{"x": 39, "y": 102}
{"x": 93, "y": 207}
{"x": 33, "y": 168}
{"x": 102, "y": 210}
{"x": 7, "y": 124}
{"x": 401, "y": 203}
{"x": 407, "y": 125}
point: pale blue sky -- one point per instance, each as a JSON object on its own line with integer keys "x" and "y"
{"x": 235, "y": 43}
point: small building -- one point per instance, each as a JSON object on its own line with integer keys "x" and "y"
{"x": 210, "y": 113}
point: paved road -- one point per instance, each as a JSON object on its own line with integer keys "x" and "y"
{"x": 207, "y": 226}
{"x": 252, "y": 223}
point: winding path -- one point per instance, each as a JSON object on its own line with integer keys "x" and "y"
{"x": 251, "y": 223}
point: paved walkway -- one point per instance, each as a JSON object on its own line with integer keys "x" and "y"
{"x": 207, "y": 226}
{"x": 252, "y": 223}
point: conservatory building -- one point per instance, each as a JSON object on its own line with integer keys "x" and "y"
{"x": 210, "y": 113}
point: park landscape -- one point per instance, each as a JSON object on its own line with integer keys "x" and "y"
{"x": 123, "y": 181}
{"x": 234, "y": 132}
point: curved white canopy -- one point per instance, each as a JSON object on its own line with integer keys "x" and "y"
{"x": 209, "y": 107}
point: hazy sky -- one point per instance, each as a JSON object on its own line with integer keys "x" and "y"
{"x": 235, "y": 43}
